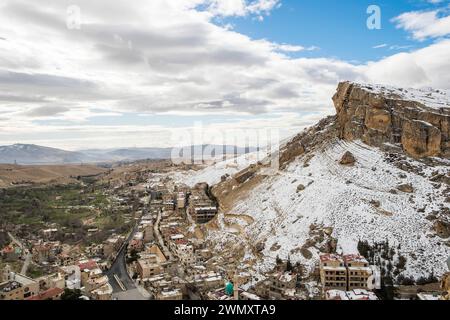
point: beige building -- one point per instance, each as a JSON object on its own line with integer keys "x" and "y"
{"x": 445, "y": 285}
{"x": 149, "y": 266}
{"x": 56, "y": 280}
{"x": 11, "y": 290}
{"x": 174, "y": 294}
{"x": 333, "y": 273}
{"x": 345, "y": 273}
{"x": 112, "y": 245}
{"x": 358, "y": 272}
{"x": 181, "y": 200}
{"x": 282, "y": 284}
{"x": 29, "y": 286}
{"x": 184, "y": 251}
{"x": 102, "y": 293}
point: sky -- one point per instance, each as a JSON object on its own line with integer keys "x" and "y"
{"x": 85, "y": 74}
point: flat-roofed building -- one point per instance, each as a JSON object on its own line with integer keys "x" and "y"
{"x": 174, "y": 294}
{"x": 149, "y": 266}
{"x": 11, "y": 290}
{"x": 29, "y": 286}
{"x": 333, "y": 273}
{"x": 358, "y": 272}
{"x": 281, "y": 283}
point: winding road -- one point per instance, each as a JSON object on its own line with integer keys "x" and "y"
{"x": 123, "y": 286}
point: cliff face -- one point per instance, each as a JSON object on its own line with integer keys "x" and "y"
{"x": 417, "y": 120}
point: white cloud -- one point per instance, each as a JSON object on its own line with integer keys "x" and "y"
{"x": 238, "y": 7}
{"x": 425, "y": 24}
{"x": 167, "y": 57}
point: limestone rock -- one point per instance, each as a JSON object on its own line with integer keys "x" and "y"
{"x": 442, "y": 229}
{"x": 421, "y": 139}
{"x": 348, "y": 159}
{"x": 407, "y": 188}
{"x": 384, "y": 118}
{"x": 300, "y": 188}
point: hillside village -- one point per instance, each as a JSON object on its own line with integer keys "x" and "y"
{"x": 337, "y": 222}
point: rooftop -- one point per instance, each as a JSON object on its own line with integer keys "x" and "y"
{"x": 329, "y": 257}
{"x": 48, "y": 294}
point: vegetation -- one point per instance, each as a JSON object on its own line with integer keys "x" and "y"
{"x": 74, "y": 209}
{"x": 70, "y": 294}
{"x": 133, "y": 256}
{"x": 35, "y": 271}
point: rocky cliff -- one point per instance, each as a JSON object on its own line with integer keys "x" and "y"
{"x": 416, "y": 120}
{"x": 345, "y": 182}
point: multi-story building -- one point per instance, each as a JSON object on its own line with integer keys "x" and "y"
{"x": 282, "y": 284}
{"x": 11, "y": 290}
{"x": 181, "y": 200}
{"x": 102, "y": 293}
{"x": 344, "y": 273}
{"x": 29, "y": 286}
{"x": 184, "y": 251}
{"x": 201, "y": 208}
{"x": 333, "y": 273}
{"x": 358, "y": 272}
{"x": 112, "y": 245}
{"x": 149, "y": 266}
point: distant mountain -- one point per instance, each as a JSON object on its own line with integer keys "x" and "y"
{"x": 28, "y": 154}
{"x": 33, "y": 154}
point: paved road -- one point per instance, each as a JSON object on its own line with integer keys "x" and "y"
{"x": 119, "y": 268}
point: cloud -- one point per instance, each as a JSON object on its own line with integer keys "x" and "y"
{"x": 167, "y": 59}
{"x": 380, "y": 46}
{"x": 240, "y": 7}
{"x": 425, "y": 24}
{"x": 424, "y": 67}
{"x": 46, "y": 111}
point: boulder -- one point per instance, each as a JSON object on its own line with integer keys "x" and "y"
{"x": 407, "y": 188}
{"x": 348, "y": 159}
{"x": 442, "y": 229}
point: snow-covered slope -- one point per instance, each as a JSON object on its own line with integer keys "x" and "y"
{"x": 212, "y": 174}
{"x": 395, "y": 196}
{"x": 341, "y": 198}
{"x": 435, "y": 99}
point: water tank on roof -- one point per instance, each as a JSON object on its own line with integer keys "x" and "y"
{"x": 229, "y": 289}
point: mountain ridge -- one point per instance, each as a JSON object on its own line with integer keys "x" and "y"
{"x": 29, "y": 154}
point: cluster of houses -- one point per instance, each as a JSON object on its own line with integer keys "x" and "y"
{"x": 174, "y": 263}
{"x": 86, "y": 276}
{"x": 65, "y": 266}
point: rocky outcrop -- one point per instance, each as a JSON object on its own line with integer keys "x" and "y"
{"x": 379, "y": 116}
{"x": 348, "y": 159}
{"x": 302, "y": 143}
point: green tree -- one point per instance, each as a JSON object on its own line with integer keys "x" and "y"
{"x": 70, "y": 294}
